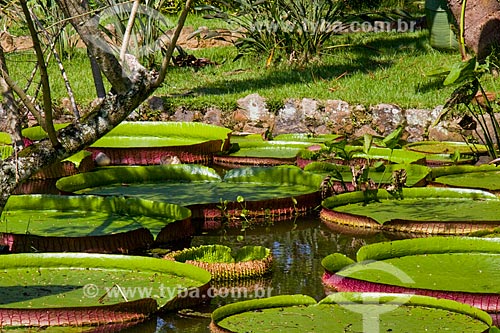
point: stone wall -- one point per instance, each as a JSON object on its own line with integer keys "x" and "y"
{"x": 332, "y": 116}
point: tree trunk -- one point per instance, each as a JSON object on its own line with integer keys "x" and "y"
{"x": 129, "y": 91}
{"x": 482, "y": 24}
{"x": 77, "y": 136}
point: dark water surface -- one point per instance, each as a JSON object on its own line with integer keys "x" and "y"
{"x": 297, "y": 247}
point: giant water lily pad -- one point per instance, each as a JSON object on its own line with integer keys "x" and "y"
{"x": 224, "y": 264}
{"x": 462, "y": 269}
{"x": 447, "y": 153}
{"x": 90, "y": 223}
{"x": 386, "y": 154}
{"x": 76, "y": 289}
{"x": 154, "y": 142}
{"x": 202, "y": 190}
{"x": 308, "y": 137}
{"x": 446, "y": 147}
{"x": 484, "y": 178}
{"x": 416, "y": 210}
{"x": 349, "y": 312}
{"x": 259, "y": 152}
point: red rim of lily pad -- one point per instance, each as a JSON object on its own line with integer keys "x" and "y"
{"x": 206, "y": 140}
{"x": 120, "y": 242}
{"x": 281, "y": 209}
{"x": 124, "y": 242}
{"x": 335, "y": 280}
{"x": 159, "y": 155}
{"x": 64, "y": 169}
{"x": 257, "y": 261}
{"x": 88, "y": 280}
{"x": 124, "y": 312}
{"x": 331, "y": 217}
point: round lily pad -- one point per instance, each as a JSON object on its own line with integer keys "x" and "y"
{"x": 90, "y": 223}
{"x": 253, "y": 152}
{"x": 446, "y": 147}
{"x": 254, "y": 191}
{"x": 484, "y": 180}
{"x": 76, "y": 289}
{"x": 461, "y": 269}
{"x": 224, "y": 264}
{"x": 415, "y": 210}
{"x": 389, "y": 155}
{"x": 356, "y": 312}
{"x": 143, "y": 143}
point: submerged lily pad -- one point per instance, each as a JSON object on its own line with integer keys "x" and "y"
{"x": 154, "y": 142}
{"x": 90, "y": 223}
{"x": 419, "y": 210}
{"x": 223, "y": 264}
{"x": 335, "y": 313}
{"x": 462, "y": 269}
{"x": 202, "y": 190}
{"x": 76, "y": 289}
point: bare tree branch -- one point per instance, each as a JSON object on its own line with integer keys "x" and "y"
{"x": 87, "y": 28}
{"x": 128, "y": 30}
{"x": 13, "y": 116}
{"x": 24, "y": 98}
{"x": 96, "y": 74}
{"x": 52, "y": 46}
{"x": 173, "y": 42}
{"x": 44, "y": 77}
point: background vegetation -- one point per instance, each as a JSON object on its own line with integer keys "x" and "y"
{"x": 364, "y": 68}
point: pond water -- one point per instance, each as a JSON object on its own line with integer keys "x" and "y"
{"x": 297, "y": 247}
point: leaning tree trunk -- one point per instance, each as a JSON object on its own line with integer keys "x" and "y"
{"x": 129, "y": 89}
{"x": 482, "y": 24}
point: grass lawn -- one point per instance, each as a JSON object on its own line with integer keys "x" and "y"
{"x": 375, "y": 68}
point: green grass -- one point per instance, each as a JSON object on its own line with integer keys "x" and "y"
{"x": 376, "y": 68}
{"x": 379, "y": 68}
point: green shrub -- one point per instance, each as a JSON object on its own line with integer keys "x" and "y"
{"x": 295, "y": 30}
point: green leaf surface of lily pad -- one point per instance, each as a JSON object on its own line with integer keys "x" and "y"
{"x": 391, "y": 313}
{"x": 76, "y": 216}
{"x": 270, "y": 149}
{"x": 457, "y": 264}
{"x": 160, "y": 134}
{"x": 59, "y": 280}
{"x": 249, "y": 183}
{"x": 446, "y": 147}
{"x": 420, "y": 204}
{"x": 485, "y": 180}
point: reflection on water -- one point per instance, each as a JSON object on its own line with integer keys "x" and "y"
{"x": 298, "y": 248}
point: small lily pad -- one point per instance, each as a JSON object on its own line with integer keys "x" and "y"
{"x": 223, "y": 264}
